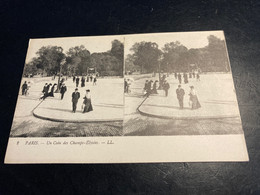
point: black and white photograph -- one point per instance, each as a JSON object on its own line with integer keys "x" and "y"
{"x": 71, "y": 87}
{"x": 115, "y": 99}
{"x": 179, "y": 84}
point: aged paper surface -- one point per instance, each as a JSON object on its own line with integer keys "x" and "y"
{"x": 159, "y": 97}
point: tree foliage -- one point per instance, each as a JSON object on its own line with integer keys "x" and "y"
{"x": 77, "y": 60}
{"x": 177, "y": 58}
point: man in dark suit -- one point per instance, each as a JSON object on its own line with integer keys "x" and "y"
{"x": 77, "y": 81}
{"x": 63, "y": 89}
{"x": 166, "y": 87}
{"x": 75, "y": 98}
{"x": 180, "y": 95}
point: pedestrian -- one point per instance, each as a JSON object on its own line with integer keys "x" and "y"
{"x": 46, "y": 91}
{"x": 95, "y": 80}
{"x": 28, "y": 87}
{"x": 179, "y": 78}
{"x": 87, "y": 105}
{"x": 155, "y": 86}
{"x": 77, "y": 81}
{"x": 195, "y": 104}
{"x": 148, "y": 90}
{"x": 74, "y": 78}
{"x": 53, "y": 88}
{"x": 198, "y": 77}
{"x": 75, "y": 98}
{"x": 180, "y": 95}
{"x": 88, "y": 78}
{"x": 166, "y": 87}
{"x": 125, "y": 85}
{"x": 24, "y": 88}
{"x": 63, "y": 89}
{"x": 91, "y": 77}
{"x": 175, "y": 75}
{"x": 185, "y": 78}
{"x": 82, "y": 81}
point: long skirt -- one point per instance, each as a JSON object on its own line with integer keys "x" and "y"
{"x": 195, "y": 104}
{"x": 87, "y": 105}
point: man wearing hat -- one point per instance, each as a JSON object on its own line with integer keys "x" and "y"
{"x": 75, "y": 98}
{"x": 180, "y": 95}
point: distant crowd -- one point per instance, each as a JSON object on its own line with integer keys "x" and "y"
{"x": 151, "y": 87}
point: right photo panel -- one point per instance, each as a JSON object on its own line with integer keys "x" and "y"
{"x": 179, "y": 84}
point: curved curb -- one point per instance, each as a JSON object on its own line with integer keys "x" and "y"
{"x": 75, "y": 121}
{"x": 71, "y": 121}
{"x": 182, "y": 118}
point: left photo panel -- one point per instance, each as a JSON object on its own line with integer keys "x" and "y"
{"x": 71, "y": 87}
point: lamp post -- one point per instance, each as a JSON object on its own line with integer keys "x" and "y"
{"x": 60, "y": 50}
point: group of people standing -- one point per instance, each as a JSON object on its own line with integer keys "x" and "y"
{"x": 151, "y": 87}
{"x": 49, "y": 90}
{"x": 83, "y": 80}
{"x": 185, "y": 76}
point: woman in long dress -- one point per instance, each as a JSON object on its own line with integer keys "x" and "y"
{"x": 195, "y": 104}
{"x": 87, "y": 106}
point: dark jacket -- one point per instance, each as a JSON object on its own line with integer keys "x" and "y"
{"x": 180, "y": 93}
{"x": 75, "y": 96}
{"x": 63, "y": 89}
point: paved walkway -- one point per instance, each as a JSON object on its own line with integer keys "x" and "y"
{"x": 215, "y": 93}
{"x": 107, "y": 101}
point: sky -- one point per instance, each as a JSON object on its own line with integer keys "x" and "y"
{"x": 196, "y": 39}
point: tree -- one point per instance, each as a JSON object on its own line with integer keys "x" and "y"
{"x": 78, "y": 59}
{"x": 146, "y": 55}
{"x": 174, "y": 57}
{"x": 49, "y": 59}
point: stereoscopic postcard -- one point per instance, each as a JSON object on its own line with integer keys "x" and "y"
{"x": 141, "y": 98}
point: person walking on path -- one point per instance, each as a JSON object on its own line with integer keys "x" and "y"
{"x": 125, "y": 86}
{"x": 63, "y": 89}
{"x": 195, "y": 104}
{"x": 74, "y": 78}
{"x": 148, "y": 89}
{"x": 179, "y": 78}
{"x": 46, "y": 90}
{"x": 28, "y": 87}
{"x": 77, "y": 81}
{"x": 53, "y": 88}
{"x": 24, "y": 88}
{"x": 87, "y": 105}
{"x": 166, "y": 87}
{"x": 94, "y": 80}
{"x": 180, "y": 95}
{"x": 198, "y": 77}
{"x": 175, "y": 75}
{"x": 185, "y": 78}
{"x": 82, "y": 81}
{"x": 75, "y": 98}
{"x": 155, "y": 86}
